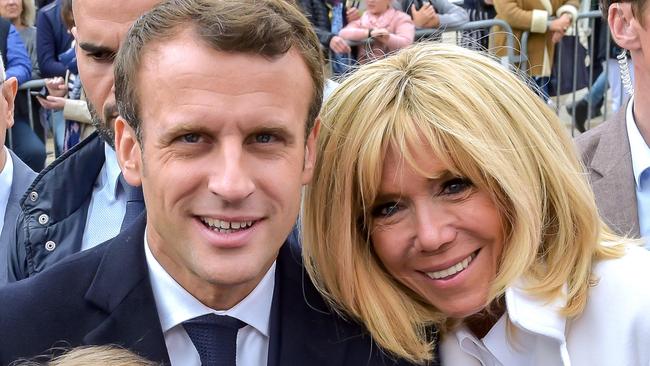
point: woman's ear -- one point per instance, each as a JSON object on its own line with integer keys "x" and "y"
{"x": 129, "y": 153}
{"x": 623, "y": 26}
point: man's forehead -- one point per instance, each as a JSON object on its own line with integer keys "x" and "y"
{"x": 115, "y": 12}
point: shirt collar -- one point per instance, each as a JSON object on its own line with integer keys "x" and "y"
{"x": 175, "y": 305}
{"x": 638, "y": 147}
{"x": 530, "y": 315}
{"x": 6, "y": 178}
{"x": 109, "y": 175}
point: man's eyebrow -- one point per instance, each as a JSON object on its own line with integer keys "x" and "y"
{"x": 93, "y": 48}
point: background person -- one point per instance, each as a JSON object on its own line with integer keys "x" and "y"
{"x": 21, "y": 13}
{"x": 51, "y": 225}
{"x": 15, "y": 176}
{"x": 328, "y": 17}
{"x": 442, "y": 218}
{"x": 532, "y": 16}
{"x": 390, "y": 30}
{"x": 52, "y": 41}
{"x": 616, "y": 152}
{"x": 434, "y": 13}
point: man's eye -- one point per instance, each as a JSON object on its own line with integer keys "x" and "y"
{"x": 456, "y": 186}
{"x": 191, "y": 138}
{"x": 264, "y": 138}
{"x": 102, "y": 56}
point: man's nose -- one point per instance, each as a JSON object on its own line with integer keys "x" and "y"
{"x": 230, "y": 178}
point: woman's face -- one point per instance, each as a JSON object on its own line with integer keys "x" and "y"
{"x": 11, "y": 9}
{"x": 377, "y": 6}
{"x": 441, "y": 237}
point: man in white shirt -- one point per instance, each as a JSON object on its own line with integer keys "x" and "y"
{"x": 616, "y": 153}
{"x": 15, "y": 176}
{"x": 218, "y": 104}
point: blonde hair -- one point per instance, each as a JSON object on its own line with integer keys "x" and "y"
{"x": 486, "y": 124}
{"x": 92, "y": 356}
{"x": 28, "y": 15}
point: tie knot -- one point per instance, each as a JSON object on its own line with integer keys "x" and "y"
{"x": 214, "y": 320}
{"x": 215, "y": 338}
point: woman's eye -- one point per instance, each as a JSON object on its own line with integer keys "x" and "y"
{"x": 456, "y": 186}
{"x": 191, "y": 138}
{"x": 386, "y": 209}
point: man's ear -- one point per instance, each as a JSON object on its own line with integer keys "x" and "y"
{"x": 624, "y": 26}
{"x": 310, "y": 152}
{"x": 9, "y": 88}
{"x": 128, "y": 151}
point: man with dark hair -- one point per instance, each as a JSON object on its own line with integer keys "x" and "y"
{"x": 81, "y": 200}
{"x": 218, "y": 104}
{"x": 616, "y": 153}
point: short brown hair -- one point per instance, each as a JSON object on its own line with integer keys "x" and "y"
{"x": 268, "y": 28}
{"x": 637, "y": 7}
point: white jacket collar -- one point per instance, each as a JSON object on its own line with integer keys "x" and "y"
{"x": 540, "y": 334}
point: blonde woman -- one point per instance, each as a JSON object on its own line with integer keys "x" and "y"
{"x": 448, "y": 196}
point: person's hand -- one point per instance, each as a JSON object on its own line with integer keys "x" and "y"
{"x": 560, "y": 24}
{"x": 52, "y": 102}
{"x": 556, "y": 36}
{"x": 380, "y": 34}
{"x": 56, "y": 86}
{"x": 339, "y": 45}
{"x": 352, "y": 14}
{"x": 426, "y": 17}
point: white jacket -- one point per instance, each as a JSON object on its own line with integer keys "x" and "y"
{"x": 613, "y": 330}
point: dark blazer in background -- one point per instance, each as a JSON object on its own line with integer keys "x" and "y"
{"x": 22, "y": 178}
{"x": 605, "y": 152}
{"x": 103, "y": 296}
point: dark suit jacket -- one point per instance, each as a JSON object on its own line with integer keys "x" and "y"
{"x": 104, "y": 296}
{"x": 605, "y": 152}
{"x": 21, "y": 179}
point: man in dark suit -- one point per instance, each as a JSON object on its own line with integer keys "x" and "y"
{"x": 616, "y": 153}
{"x": 15, "y": 176}
{"x": 218, "y": 104}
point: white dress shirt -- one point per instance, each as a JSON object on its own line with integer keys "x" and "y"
{"x": 6, "y": 177}
{"x": 613, "y": 329}
{"x": 641, "y": 166}
{"x": 107, "y": 204}
{"x": 175, "y": 305}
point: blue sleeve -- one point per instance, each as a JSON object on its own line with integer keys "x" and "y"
{"x": 19, "y": 64}
{"x": 46, "y": 48}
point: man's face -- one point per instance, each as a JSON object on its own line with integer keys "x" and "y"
{"x": 222, "y": 162}
{"x": 101, "y": 26}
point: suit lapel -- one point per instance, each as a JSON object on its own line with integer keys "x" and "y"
{"x": 615, "y": 190}
{"x": 303, "y": 331}
{"x": 122, "y": 289}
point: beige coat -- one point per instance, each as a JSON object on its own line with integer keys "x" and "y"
{"x": 532, "y": 16}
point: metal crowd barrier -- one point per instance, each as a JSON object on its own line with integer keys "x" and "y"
{"x": 27, "y": 88}
{"x": 461, "y": 36}
{"x": 581, "y": 32}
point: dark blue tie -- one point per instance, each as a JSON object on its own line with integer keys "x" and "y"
{"x": 215, "y": 338}
{"x": 134, "y": 203}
